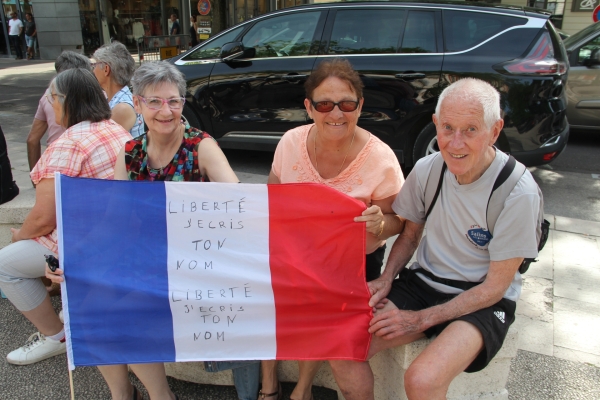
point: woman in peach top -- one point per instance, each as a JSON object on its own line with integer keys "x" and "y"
{"x": 335, "y": 152}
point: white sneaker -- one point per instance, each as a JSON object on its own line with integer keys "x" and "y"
{"x": 36, "y": 349}
{"x": 61, "y": 317}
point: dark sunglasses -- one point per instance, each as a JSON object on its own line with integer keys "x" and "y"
{"x": 327, "y": 106}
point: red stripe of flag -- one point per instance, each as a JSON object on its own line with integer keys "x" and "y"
{"x": 321, "y": 297}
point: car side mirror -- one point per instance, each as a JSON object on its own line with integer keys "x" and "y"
{"x": 594, "y": 58}
{"x": 234, "y": 50}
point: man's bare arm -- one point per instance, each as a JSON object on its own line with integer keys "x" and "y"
{"x": 401, "y": 253}
{"x": 400, "y": 322}
{"x": 34, "y": 141}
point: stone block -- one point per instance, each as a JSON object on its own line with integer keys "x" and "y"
{"x": 578, "y": 282}
{"x": 47, "y": 24}
{"x": 45, "y": 10}
{"x": 388, "y": 368}
{"x": 70, "y": 38}
{"x": 544, "y": 267}
{"x": 576, "y": 324}
{"x": 67, "y": 9}
{"x": 15, "y": 211}
{"x": 70, "y": 24}
{"x": 577, "y": 226}
{"x": 575, "y": 250}
{"x": 577, "y": 356}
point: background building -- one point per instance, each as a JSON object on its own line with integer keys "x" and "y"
{"x": 84, "y": 25}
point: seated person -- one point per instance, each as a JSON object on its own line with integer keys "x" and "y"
{"x": 44, "y": 119}
{"x": 88, "y": 149}
{"x": 470, "y": 324}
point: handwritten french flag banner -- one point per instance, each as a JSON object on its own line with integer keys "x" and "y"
{"x": 172, "y": 271}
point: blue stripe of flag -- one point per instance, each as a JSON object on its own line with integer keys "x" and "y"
{"x": 117, "y": 282}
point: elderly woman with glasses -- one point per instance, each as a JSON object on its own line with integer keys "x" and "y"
{"x": 335, "y": 152}
{"x": 114, "y": 67}
{"x": 168, "y": 151}
{"x": 88, "y": 148}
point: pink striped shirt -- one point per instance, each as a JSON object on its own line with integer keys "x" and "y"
{"x": 87, "y": 150}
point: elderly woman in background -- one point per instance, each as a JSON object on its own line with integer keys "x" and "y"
{"x": 88, "y": 148}
{"x": 335, "y": 152}
{"x": 114, "y": 67}
{"x": 44, "y": 119}
{"x": 168, "y": 151}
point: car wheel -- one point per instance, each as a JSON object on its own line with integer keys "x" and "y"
{"x": 426, "y": 142}
{"x": 190, "y": 118}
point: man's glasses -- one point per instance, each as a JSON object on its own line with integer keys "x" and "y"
{"x": 156, "y": 103}
{"x": 50, "y": 96}
{"x": 94, "y": 64}
{"x": 327, "y": 106}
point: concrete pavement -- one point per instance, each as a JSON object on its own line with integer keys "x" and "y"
{"x": 558, "y": 313}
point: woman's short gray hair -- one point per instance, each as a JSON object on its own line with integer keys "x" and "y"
{"x": 81, "y": 97}
{"x": 155, "y": 74}
{"x": 119, "y": 60}
{"x": 471, "y": 89}
{"x": 69, "y": 59}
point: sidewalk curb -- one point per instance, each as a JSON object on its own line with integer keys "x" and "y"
{"x": 573, "y": 225}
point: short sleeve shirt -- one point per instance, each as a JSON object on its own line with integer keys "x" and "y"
{"x": 374, "y": 174}
{"x": 456, "y": 245}
{"x": 87, "y": 150}
{"x": 124, "y": 96}
{"x": 45, "y": 112}
{"x": 14, "y": 25}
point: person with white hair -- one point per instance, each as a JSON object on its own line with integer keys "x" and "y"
{"x": 114, "y": 66}
{"x": 465, "y": 283}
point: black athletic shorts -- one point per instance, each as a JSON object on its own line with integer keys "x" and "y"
{"x": 373, "y": 263}
{"x": 409, "y": 292}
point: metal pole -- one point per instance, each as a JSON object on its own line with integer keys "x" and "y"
{"x": 4, "y": 28}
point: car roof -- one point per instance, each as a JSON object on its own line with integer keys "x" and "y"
{"x": 455, "y": 4}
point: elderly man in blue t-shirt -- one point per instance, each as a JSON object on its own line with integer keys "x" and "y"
{"x": 464, "y": 286}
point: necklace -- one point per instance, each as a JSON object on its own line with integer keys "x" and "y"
{"x": 343, "y": 162}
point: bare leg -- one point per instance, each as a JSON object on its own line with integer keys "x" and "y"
{"x": 154, "y": 378}
{"x": 117, "y": 378}
{"x": 44, "y": 318}
{"x": 307, "y": 372}
{"x": 270, "y": 382}
{"x": 355, "y": 379}
{"x": 430, "y": 375}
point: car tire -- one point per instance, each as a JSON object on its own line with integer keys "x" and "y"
{"x": 426, "y": 142}
{"x": 190, "y": 117}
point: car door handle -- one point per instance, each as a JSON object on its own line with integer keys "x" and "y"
{"x": 409, "y": 76}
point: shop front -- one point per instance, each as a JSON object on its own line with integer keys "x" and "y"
{"x": 125, "y": 21}
{"x": 8, "y": 7}
{"x": 213, "y": 17}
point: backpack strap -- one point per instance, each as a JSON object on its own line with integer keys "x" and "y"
{"x": 433, "y": 186}
{"x": 505, "y": 182}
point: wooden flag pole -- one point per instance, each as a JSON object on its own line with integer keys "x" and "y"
{"x": 71, "y": 384}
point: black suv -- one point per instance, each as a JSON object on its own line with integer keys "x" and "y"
{"x": 245, "y": 85}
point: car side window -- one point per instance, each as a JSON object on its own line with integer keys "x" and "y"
{"x": 366, "y": 31}
{"x": 212, "y": 49}
{"x": 586, "y": 50}
{"x": 419, "y": 34}
{"x": 466, "y": 29}
{"x": 283, "y": 36}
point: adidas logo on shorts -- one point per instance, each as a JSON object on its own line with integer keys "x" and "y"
{"x": 500, "y": 315}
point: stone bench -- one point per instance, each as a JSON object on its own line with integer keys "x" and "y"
{"x": 388, "y": 366}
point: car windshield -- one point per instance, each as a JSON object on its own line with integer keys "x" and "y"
{"x": 212, "y": 49}
{"x": 571, "y": 40}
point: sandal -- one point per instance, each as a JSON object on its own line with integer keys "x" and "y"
{"x": 278, "y": 393}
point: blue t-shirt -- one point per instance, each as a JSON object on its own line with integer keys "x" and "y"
{"x": 124, "y": 96}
